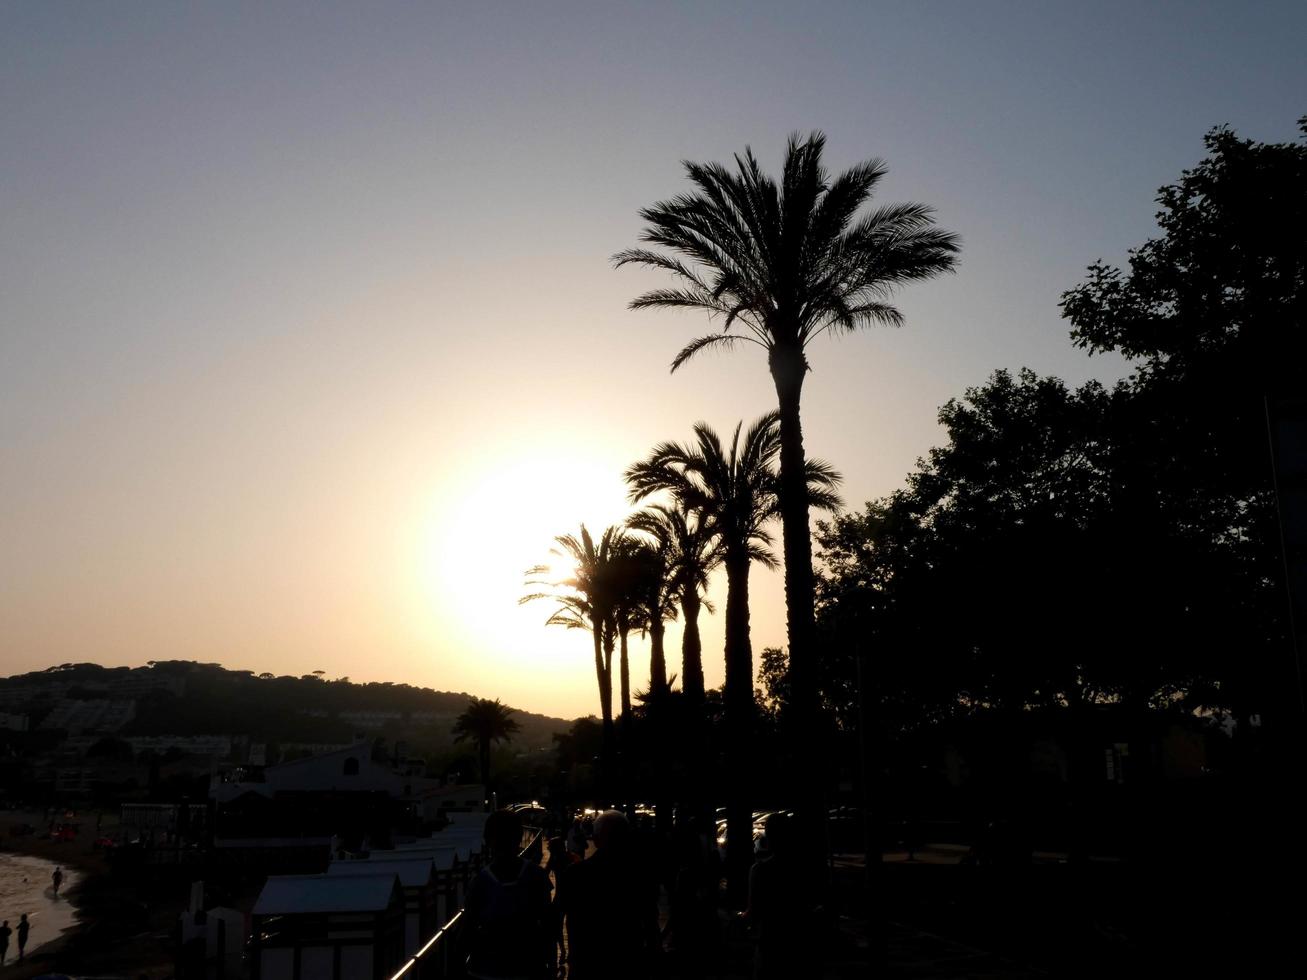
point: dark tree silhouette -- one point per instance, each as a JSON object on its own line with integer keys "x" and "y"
{"x": 587, "y": 602}
{"x": 735, "y": 493}
{"x": 484, "y": 722}
{"x": 788, "y": 261}
{"x": 675, "y": 572}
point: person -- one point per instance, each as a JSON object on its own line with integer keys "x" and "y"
{"x": 691, "y": 917}
{"x": 610, "y": 906}
{"x": 576, "y": 838}
{"x": 57, "y": 879}
{"x": 5, "y": 932}
{"x": 780, "y": 906}
{"x": 511, "y": 923}
{"x": 23, "y": 928}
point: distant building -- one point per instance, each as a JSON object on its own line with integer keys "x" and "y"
{"x": 371, "y": 719}
{"x": 13, "y": 722}
{"x": 215, "y": 746}
{"x": 96, "y": 715}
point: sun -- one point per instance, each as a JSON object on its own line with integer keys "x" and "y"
{"x": 496, "y": 521}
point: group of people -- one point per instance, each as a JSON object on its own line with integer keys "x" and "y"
{"x": 24, "y": 927}
{"x": 5, "y": 932}
{"x": 606, "y": 903}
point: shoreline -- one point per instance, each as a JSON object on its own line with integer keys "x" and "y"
{"x": 82, "y": 864}
{"x": 122, "y": 923}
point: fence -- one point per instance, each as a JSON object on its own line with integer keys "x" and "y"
{"x": 440, "y": 957}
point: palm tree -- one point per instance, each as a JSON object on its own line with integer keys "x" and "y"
{"x": 587, "y": 603}
{"x": 485, "y": 721}
{"x": 735, "y": 492}
{"x": 626, "y": 609}
{"x": 788, "y": 262}
{"x": 688, "y": 551}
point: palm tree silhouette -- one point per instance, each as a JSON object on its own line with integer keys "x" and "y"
{"x": 735, "y": 493}
{"x": 788, "y": 262}
{"x": 689, "y": 551}
{"x": 587, "y": 602}
{"x": 654, "y": 593}
{"x": 484, "y": 722}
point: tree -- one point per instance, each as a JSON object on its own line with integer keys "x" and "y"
{"x": 788, "y": 262}
{"x": 690, "y": 551}
{"x": 484, "y": 722}
{"x": 587, "y": 602}
{"x": 1213, "y": 315}
{"x": 735, "y": 494}
{"x": 667, "y": 568}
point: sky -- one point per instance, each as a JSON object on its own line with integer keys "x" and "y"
{"x": 309, "y": 337}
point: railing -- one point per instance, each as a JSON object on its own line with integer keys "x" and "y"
{"x": 432, "y": 961}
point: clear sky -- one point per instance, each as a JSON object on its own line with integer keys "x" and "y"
{"x": 309, "y": 341}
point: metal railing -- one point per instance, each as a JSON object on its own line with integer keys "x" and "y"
{"x": 432, "y": 961}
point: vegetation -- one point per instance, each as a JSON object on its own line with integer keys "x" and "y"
{"x": 587, "y": 601}
{"x": 485, "y": 722}
{"x": 787, "y": 262}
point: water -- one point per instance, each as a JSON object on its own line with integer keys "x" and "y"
{"x": 25, "y": 887}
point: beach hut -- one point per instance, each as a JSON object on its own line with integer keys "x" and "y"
{"x": 328, "y": 927}
{"x": 417, "y": 880}
{"x": 451, "y": 868}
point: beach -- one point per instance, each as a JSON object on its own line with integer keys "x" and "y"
{"x": 96, "y": 926}
{"x": 25, "y": 887}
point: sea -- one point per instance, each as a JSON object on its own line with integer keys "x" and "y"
{"x": 25, "y": 887}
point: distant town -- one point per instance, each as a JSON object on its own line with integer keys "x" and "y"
{"x": 109, "y": 735}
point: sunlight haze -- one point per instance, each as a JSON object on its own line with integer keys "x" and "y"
{"x": 310, "y": 341}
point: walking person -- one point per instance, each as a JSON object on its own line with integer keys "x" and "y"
{"x": 609, "y": 903}
{"x": 5, "y": 933}
{"x": 512, "y": 925}
{"x": 23, "y": 928}
{"x": 57, "y": 879}
{"x": 576, "y": 838}
{"x": 781, "y": 906}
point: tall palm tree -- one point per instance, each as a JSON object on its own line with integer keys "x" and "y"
{"x": 485, "y": 721}
{"x": 735, "y": 492}
{"x": 788, "y": 262}
{"x": 688, "y": 550}
{"x": 587, "y": 602}
{"x": 626, "y": 616}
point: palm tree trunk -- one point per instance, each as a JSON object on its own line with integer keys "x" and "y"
{"x": 788, "y": 368}
{"x": 605, "y": 690}
{"x": 739, "y": 723}
{"x": 483, "y": 752}
{"x": 625, "y": 747}
{"x": 626, "y": 681}
{"x": 691, "y": 650}
{"x": 657, "y": 656}
{"x": 606, "y": 703}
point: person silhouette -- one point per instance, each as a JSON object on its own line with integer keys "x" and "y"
{"x": 57, "y": 879}
{"x": 5, "y": 933}
{"x": 512, "y": 927}
{"x": 23, "y": 928}
{"x": 780, "y": 906}
{"x": 609, "y": 903}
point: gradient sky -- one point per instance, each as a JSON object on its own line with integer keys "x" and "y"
{"x": 309, "y": 341}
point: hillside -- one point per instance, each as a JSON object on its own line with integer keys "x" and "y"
{"x": 180, "y": 697}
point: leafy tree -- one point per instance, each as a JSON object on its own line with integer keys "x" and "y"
{"x": 485, "y": 722}
{"x": 1213, "y": 315}
{"x": 787, "y": 262}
